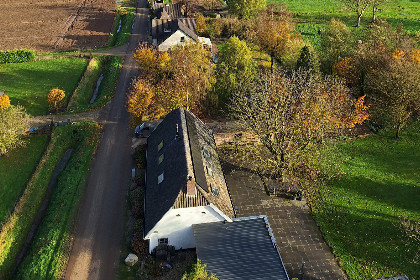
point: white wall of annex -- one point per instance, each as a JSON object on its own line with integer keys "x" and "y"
{"x": 178, "y": 229}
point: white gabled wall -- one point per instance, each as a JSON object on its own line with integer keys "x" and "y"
{"x": 173, "y": 40}
{"x": 178, "y": 229}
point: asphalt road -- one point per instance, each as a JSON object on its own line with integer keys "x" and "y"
{"x": 100, "y": 225}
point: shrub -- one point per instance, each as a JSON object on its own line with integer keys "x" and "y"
{"x": 16, "y": 56}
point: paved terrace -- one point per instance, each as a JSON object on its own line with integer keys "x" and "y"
{"x": 297, "y": 235}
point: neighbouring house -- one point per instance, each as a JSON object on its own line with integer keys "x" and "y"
{"x": 184, "y": 182}
{"x": 239, "y": 250}
{"x": 168, "y": 11}
{"x": 167, "y": 33}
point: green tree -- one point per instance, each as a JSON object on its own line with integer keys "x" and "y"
{"x": 245, "y": 8}
{"x": 236, "y": 68}
{"x": 13, "y": 123}
{"x": 336, "y": 43}
{"x": 198, "y": 272}
{"x": 307, "y": 60}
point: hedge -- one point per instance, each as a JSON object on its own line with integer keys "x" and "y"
{"x": 16, "y": 56}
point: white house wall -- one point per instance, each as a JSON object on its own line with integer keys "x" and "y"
{"x": 178, "y": 229}
{"x": 173, "y": 40}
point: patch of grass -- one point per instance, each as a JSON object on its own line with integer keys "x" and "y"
{"x": 109, "y": 66}
{"x": 15, "y": 170}
{"x": 360, "y": 212}
{"x": 126, "y": 16}
{"x": 314, "y": 15}
{"x": 50, "y": 247}
{"x": 17, "y": 226}
{"x": 28, "y": 83}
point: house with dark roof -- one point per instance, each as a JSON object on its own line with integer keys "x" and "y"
{"x": 168, "y": 11}
{"x": 167, "y": 33}
{"x": 239, "y": 250}
{"x": 184, "y": 181}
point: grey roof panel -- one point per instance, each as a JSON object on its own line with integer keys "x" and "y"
{"x": 239, "y": 250}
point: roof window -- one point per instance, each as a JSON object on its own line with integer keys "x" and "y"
{"x": 206, "y": 154}
{"x": 209, "y": 171}
{"x": 215, "y": 191}
{"x": 160, "y": 178}
{"x": 160, "y": 159}
{"x": 160, "y": 146}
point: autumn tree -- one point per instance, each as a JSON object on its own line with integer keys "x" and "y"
{"x": 290, "y": 113}
{"x": 55, "y": 96}
{"x": 337, "y": 43}
{"x": 357, "y": 6}
{"x": 168, "y": 80}
{"x": 4, "y": 102}
{"x": 13, "y": 123}
{"x": 394, "y": 91}
{"x": 272, "y": 30}
{"x": 245, "y": 8}
{"x": 236, "y": 67}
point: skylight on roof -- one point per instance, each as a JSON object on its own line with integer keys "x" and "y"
{"x": 160, "y": 159}
{"x": 160, "y": 178}
{"x": 160, "y": 146}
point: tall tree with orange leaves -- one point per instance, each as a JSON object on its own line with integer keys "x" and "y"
{"x": 291, "y": 113}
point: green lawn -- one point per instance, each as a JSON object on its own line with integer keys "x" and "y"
{"x": 359, "y": 213}
{"x": 82, "y": 138}
{"x": 314, "y": 15}
{"x": 109, "y": 66}
{"x": 49, "y": 249}
{"x": 28, "y": 84}
{"x": 15, "y": 171}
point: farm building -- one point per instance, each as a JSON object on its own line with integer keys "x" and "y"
{"x": 184, "y": 181}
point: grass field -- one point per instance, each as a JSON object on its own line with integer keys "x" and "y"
{"x": 314, "y": 15}
{"x": 28, "y": 84}
{"x": 109, "y": 66}
{"x": 18, "y": 224}
{"x": 359, "y": 213}
{"x": 15, "y": 171}
{"x": 48, "y": 253}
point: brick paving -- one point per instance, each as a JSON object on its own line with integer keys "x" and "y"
{"x": 297, "y": 235}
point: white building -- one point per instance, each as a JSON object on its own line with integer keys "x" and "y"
{"x": 184, "y": 182}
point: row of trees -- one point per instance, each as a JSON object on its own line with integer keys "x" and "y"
{"x": 248, "y": 9}
{"x": 14, "y": 120}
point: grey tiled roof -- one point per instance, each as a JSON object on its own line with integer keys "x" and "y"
{"x": 162, "y": 29}
{"x": 182, "y": 156}
{"x": 242, "y": 249}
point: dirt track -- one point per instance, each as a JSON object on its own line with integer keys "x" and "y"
{"x": 100, "y": 226}
{"x": 55, "y": 24}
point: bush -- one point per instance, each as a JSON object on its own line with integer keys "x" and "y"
{"x": 16, "y": 56}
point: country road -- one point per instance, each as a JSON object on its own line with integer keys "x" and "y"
{"x": 100, "y": 225}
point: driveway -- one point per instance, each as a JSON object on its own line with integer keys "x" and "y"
{"x": 100, "y": 225}
{"x": 297, "y": 235}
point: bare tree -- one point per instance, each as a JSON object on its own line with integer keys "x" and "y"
{"x": 358, "y": 6}
{"x": 375, "y": 4}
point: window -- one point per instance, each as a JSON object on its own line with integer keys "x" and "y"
{"x": 209, "y": 171}
{"x": 160, "y": 159}
{"x": 182, "y": 39}
{"x": 163, "y": 241}
{"x": 160, "y": 146}
{"x": 160, "y": 178}
{"x": 206, "y": 154}
{"x": 215, "y": 191}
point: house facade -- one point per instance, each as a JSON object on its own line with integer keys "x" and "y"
{"x": 184, "y": 181}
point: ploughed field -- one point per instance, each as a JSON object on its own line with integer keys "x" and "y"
{"x": 46, "y": 25}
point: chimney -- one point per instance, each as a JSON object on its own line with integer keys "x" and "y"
{"x": 190, "y": 186}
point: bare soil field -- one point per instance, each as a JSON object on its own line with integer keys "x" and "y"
{"x": 46, "y": 25}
